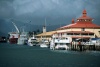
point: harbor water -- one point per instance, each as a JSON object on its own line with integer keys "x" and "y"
{"x": 13, "y": 55}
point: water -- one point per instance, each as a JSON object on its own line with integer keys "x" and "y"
{"x": 26, "y": 56}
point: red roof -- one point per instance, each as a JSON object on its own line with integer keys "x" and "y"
{"x": 81, "y": 25}
{"x": 82, "y": 22}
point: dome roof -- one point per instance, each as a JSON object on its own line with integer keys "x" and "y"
{"x": 82, "y": 22}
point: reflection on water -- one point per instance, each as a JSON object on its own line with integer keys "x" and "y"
{"x": 95, "y": 53}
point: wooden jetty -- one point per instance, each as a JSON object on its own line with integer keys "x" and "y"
{"x": 83, "y": 47}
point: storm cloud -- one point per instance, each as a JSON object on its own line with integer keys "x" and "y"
{"x": 34, "y": 12}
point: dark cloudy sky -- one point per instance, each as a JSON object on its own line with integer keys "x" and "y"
{"x": 55, "y": 11}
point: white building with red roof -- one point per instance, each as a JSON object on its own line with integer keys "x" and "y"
{"x": 83, "y": 28}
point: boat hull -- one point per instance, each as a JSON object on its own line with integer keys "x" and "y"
{"x": 13, "y": 40}
{"x": 43, "y": 45}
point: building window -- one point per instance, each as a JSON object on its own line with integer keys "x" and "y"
{"x": 69, "y": 33}
{"x": 77, "y": 20}
{"x": 83, "y": 29}
{"x": 76, "y": 33}
{"x": 84, "y": 34}
{"x": 91, "y": 34}
{"x": 83, "y": 20}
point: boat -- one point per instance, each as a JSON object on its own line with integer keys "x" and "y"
{"x": 13, "y": 36}
{"x": 61, "y": 46}
{"x": 60, "y": 43}
{"x": 32, "y": 41}
{"x": 44, "y": 43}
{"x": 22, "y": 40}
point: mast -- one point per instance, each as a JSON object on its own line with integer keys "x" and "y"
{"x": 15, "y": 27}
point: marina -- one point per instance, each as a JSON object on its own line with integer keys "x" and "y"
{"x": 49, "y": 33}
{"x": 80, "y": 35}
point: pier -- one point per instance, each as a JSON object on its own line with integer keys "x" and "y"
{"x": 84, "y": 47}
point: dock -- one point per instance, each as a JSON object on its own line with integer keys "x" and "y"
{"x": 84, "y": 47}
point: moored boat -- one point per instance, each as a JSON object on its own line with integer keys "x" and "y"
{"x": 60, "y": 43}
{"x": 13, "y": 38}
{"x": 44, "y": 43}
{"x": 32, "y": 41}
{"x": 23, "y": 38}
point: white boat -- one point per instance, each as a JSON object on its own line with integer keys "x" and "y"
{"x": 44, "y": 43}
{"x": 23, "y": 38}
{"x": 61, "y": 46}
{"x": 32, "y": 41}
{"x": 60, "y": 43}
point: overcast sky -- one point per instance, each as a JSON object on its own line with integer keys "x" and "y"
{"x": 55, "y": 11}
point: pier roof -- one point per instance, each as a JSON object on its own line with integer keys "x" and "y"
{"x": 46, "y": 33}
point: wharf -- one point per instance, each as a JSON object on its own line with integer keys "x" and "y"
{"x": 82, "y": 47}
